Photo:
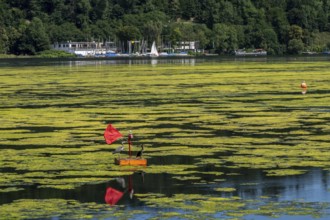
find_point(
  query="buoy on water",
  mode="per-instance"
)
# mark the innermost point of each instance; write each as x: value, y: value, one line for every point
x: 111, y: 134
x: 303, y: 86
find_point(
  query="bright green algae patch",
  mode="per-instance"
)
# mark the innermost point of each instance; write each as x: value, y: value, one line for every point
x: 195, y: 207
x: 230, y: 115
x: 60, y: 208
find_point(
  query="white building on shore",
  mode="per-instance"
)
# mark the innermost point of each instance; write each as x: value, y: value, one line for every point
x: 85, y: 49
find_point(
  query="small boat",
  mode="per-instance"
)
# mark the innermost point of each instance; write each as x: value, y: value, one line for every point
x: 153, y: 52
x: 257, y: 52
x: 182, y: 53
x: 111, y: 54
x: 163, y: 54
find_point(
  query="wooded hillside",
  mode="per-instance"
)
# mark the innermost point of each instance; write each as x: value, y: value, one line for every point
x: 278, y: 26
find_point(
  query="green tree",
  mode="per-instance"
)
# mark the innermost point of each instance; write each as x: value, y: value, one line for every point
x: 139, y: 20
x: 209, y: 12
x: 225, y: 38
x: 295, y: 32
x: 269, y: 41
x: 174, y: 9
x: 255, y: 23
x: 3, y: 34
x: 188, y: 31
x: 202, y: 34
x: 65, y: 32
x: 152, y: 31
x: 77, y: 11
x: 277, y: 18
x: 34, y: 38
x: 188, y: 8
x: 98, y: 10
x: 56, y: 10
x: 102, y: 30
x: 117, y: 12
x: 3, y: 40
x: 175, y: 35
x: 328, y: 46
x: 295, y: 46
x: 228, y: 14
x: 128, y: 33
x: 324, y: 16
x: 240, y: 35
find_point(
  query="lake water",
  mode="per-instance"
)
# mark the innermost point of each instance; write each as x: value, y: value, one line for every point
x: 64, y: 115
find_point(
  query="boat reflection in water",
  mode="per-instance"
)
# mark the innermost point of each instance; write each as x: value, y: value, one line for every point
x: 121, y: 187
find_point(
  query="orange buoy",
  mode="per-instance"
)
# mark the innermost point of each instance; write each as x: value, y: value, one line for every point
x: 303, y: 85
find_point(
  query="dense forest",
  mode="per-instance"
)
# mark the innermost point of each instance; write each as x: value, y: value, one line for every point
x: 221, y: 26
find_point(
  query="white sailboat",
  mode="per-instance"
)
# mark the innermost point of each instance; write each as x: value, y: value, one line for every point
x: 154, y: 52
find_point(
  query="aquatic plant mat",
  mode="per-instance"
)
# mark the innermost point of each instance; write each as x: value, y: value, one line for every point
x: 224, y: 140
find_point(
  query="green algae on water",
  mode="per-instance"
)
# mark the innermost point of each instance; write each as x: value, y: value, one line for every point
x: 224, y: 115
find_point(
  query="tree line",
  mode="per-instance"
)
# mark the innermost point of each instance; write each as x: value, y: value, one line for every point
x: 222, y: 26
